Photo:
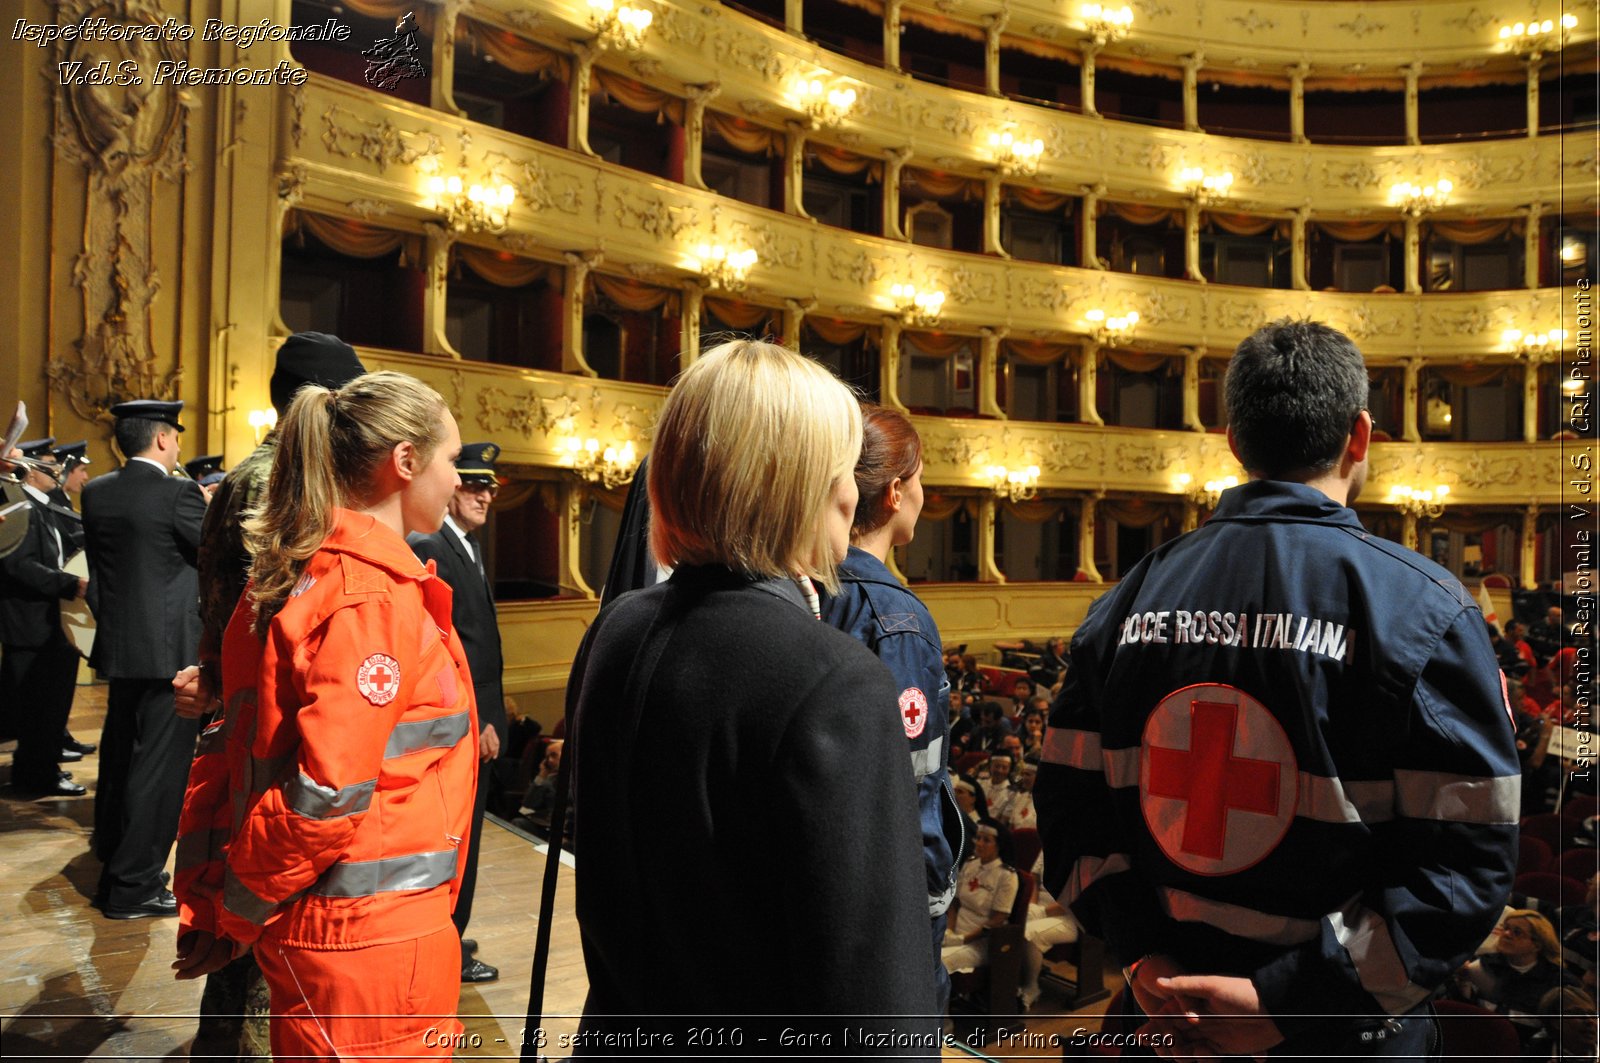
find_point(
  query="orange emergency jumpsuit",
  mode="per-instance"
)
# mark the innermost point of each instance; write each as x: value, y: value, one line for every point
x: 325, y: 814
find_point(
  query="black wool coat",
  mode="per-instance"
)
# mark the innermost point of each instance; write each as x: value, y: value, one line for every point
x: 746, y: 830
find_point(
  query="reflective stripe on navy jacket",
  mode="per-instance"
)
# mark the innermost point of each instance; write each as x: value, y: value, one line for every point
x: 1283, y: 752
x: 876, y: 608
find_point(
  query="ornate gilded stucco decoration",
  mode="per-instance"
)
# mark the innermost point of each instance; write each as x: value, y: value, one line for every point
x: 129, y: 138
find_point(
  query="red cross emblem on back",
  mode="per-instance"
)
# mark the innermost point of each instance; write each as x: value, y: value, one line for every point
x: 1218, y: 779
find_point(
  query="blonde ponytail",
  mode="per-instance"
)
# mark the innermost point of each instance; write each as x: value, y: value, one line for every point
x: 330, y: 443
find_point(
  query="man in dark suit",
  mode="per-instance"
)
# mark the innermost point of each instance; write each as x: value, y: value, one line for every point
x: 142, y: 530
x: 459, y: 559
x: 39, y: 666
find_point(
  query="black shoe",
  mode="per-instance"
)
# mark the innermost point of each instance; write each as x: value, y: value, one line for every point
x: 84, y: 748
x: 163, y: 903
x: 469, y: 947
x: 478, y: 971
x: 63, y: 786
x: 68, y: 755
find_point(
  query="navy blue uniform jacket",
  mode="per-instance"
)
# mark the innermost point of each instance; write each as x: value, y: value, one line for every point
x: 1283, y: 752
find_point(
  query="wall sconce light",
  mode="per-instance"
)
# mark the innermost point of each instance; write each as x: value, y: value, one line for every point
x: 724, y: 267
x: 1417, y: 200
x: 1019, y: 486
x: 1204, y: 187
x: 1574, y: 249
x: 611, y: 467
x: 1016, y: 156
x: 1106, y: 23
x: 1207, y: 494
x: 619, y: 26
x: 262, y: 422
x: 1418, y: 503
x: 480, y: 208
x: 824, y: 104
x: 1111, y: 331
x: 1536, y: 36
x: 918, y: 307
x: 1533, y: 342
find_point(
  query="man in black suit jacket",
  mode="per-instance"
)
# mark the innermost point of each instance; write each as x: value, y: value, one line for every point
x: 39, y: 668
x: 142, y: 530
x: 459, y: 560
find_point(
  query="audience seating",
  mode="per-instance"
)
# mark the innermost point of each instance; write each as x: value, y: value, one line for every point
x: 1580, y: 808
x: 1578, y: 864
x: 1533, y: 855
x: 1547, y: 827
x: 997, y: 680
x: 967, y: 763
x: 1471, y: 1033
x: 1551, y: 889
x: 1025, y: 846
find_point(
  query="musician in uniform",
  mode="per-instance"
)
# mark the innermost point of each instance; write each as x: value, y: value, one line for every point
x: 207, y: 472
x: 142, y: 531
x: 459, y: 559
x: 74, y: 461
x: 38, y: 665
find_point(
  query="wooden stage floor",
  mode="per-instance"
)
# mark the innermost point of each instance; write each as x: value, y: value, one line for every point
x: 74, y: 985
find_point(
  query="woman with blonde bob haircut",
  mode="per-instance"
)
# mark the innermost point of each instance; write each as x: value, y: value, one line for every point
x: 734, y: 755
x: 323, y: 823
x: 756, y: 437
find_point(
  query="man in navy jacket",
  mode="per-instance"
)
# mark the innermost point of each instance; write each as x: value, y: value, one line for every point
x: 1280, y: 780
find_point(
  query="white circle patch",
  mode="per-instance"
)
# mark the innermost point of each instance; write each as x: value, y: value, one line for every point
x: 378, y: 678
x: 913, y: 711
x: 1218, y: 779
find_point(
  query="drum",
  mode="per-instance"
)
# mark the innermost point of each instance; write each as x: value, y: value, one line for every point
x: 76, y: 619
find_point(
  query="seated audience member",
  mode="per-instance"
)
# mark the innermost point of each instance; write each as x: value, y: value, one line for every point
x: 996, y: 781
x: 962, y: 724
x: 985, y: 891
x: 970, y: 799
x: 992, y: 728
x: 1569, y: 1031
x: 1018, y: 813
x: 534, y: 814
x: 968, y: 680
x: 1564, y: 708
x: 1513, y: 979
x: 1505, y: 654
x: 1580, y: 939
x: 1517, y: 636
x: 1550, y: 634
x: 1022, y: 692
x: 1049, y: 925
x: 1033, y: 726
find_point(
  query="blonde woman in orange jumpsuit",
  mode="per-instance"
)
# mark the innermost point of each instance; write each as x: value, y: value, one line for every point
x: 326, y: 809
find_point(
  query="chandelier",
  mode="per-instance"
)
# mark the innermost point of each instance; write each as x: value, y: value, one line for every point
x: 610, y: 467
x: 918, y: 307
x: 1535, y: 36
x: 1019, y: 486
x: 1111, y: 331
x: 619, y: 26
x: 1417, y: 200
x: 1106, y: 23
x: 1533, y: 342
x: 1418, y: 503
x: 1016, y: 156
x: 479, y: 208
x: 1207, y: 494
x: 724, y: 267
x: 1204, y: 187
x: 824, y: 104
